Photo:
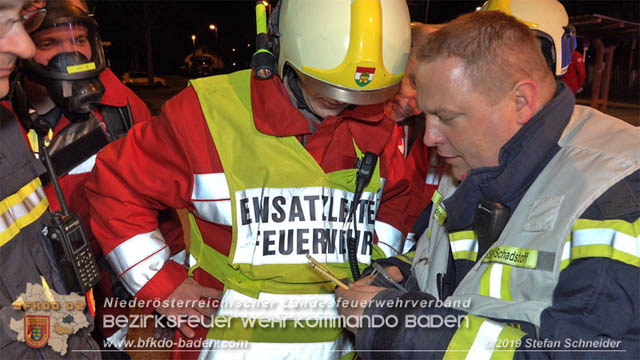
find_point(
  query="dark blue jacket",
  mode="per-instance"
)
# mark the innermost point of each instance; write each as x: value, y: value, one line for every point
x: 594, y: 299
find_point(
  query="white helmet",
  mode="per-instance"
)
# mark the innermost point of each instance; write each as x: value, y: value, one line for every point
x: 354, y: 51
x: 549, y: 20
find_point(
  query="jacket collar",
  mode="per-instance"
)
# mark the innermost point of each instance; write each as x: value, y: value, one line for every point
x: 275, y: 115
x: 113, y: 90
x: 521, y: 160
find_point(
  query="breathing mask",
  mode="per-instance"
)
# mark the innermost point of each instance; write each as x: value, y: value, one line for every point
x: 69, y: 59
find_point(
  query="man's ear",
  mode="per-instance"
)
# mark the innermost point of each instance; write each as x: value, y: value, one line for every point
x: 526, y: 99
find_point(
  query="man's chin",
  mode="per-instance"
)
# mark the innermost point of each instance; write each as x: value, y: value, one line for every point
x: 324, y: 113
x: 4, y: 86
x: 459, y: 172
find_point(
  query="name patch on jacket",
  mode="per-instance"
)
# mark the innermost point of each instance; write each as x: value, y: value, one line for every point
x: 283, y: 225
x: 514, y: 256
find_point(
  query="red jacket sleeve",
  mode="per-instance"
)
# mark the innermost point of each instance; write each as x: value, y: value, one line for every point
x: 134, y: 178
x: 392, y: 222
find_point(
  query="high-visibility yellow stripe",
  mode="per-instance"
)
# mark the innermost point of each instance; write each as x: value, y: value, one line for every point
x: 496, y: 282
x: 464, y: 245
x: 505, y: 283
x: 19, y: 195
x: 34, y: 211
x: 613, y: 239
x: 33, y: 137
x: 477, y: 338
x: 438, y: 213
x: 265, y: 330
x: 407, y: 257
x: 509, y: 339
x: 437, y: 197
x: 621, y: 226
x: 462, y: 235
x: 33, y: 140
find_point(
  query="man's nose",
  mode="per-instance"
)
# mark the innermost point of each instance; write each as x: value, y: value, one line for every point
x: 22, y: 44
x: 432, y: 136
x: 67, y: 46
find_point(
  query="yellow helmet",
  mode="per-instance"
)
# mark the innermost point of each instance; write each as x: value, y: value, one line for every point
x: 549, y: 20
x: 354, y: 51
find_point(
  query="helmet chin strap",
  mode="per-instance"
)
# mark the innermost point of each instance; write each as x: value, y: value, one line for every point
x: 291, y: 79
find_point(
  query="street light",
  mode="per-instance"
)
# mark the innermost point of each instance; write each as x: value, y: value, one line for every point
x: 212, y: 27
x: 193, y: 39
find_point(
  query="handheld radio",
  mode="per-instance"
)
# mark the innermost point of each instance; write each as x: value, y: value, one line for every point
x: 70, y: 242
x: 491, y: 218
x: 365, y: 168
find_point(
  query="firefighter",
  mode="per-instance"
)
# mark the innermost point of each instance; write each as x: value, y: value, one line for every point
x: 26, y: 255
x: 267, y: 170
x: 533, y: 242
x: 77, y: 113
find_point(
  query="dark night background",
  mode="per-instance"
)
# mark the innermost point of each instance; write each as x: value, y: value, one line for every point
x: 172, y: 23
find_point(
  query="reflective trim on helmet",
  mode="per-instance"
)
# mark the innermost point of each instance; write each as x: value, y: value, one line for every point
x: 350, y: 96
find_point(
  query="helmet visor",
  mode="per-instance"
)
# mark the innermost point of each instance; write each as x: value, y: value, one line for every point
x: 346, y: 95
x: 569, y: 43
x: 548, y: 49
x: 77, y: 42
x: 31, y: 20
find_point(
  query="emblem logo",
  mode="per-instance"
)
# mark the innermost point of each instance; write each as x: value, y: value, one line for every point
x: 36, y: 330
x: 364, y: 75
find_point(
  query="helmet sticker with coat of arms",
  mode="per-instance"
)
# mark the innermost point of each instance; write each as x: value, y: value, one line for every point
x: 364, y: 75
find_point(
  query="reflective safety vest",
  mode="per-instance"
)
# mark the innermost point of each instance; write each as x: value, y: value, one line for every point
x: 282, y: 207
x: 516, y: 277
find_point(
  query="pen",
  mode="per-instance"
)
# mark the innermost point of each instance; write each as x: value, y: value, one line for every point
x: 324, y: 271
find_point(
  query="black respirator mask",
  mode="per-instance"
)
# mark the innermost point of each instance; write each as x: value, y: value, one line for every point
x: 74, y: 97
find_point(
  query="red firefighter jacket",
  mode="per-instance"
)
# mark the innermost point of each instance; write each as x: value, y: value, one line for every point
x: 169, y: 151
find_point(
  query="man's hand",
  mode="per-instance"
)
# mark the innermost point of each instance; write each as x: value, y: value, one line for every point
x: 403, y: 104
x: 352, y: 302
x: 395, y: 273
x: 192, y: 291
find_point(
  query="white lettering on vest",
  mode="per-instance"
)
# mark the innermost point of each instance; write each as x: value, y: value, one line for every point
x: 283, y: 225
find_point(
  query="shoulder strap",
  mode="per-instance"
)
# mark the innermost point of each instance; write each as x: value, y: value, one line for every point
x: 118, y: 120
